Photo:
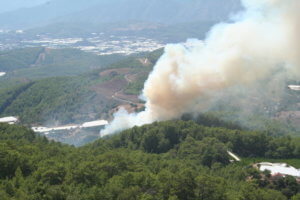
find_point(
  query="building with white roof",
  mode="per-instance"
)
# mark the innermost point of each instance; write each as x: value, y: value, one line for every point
x: 9, y: 120
x: 2, y: 73
x: 94, y: 124
x: 46, y: 130
x: 294, y: 87
x: 279, y: 169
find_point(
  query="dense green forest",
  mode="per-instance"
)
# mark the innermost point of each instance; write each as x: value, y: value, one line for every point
x: 52, y: 96
x: 19, y: 58
x: 167, y: 160
x: 235, y: 120
x: 54, y: 100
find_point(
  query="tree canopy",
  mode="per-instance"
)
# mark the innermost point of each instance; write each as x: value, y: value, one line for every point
x: 166, y: 160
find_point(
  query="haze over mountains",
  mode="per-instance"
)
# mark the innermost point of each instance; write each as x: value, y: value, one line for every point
x: 8, y: 5
x: 165, y: 12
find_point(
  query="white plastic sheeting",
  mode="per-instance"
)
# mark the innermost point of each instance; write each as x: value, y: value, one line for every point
x: 294, y: 87
x: 94, y: 123
x: 45, y: 130
x: 279, y: 168
x: 10, y: 120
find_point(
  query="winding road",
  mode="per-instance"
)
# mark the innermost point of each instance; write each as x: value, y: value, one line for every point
x: 116, y: 94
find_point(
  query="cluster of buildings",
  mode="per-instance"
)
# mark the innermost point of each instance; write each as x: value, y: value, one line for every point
x: 97, y: 43
x: 52, y: 42
x: 120, y: 45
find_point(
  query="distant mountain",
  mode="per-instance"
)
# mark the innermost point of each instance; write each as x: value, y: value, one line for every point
x: 113, y: 11
x: 157, y: 11
x: 42, y: 14
x: 11, y: 5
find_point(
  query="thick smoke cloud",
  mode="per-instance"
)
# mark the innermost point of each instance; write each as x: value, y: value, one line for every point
x: 190, y: 76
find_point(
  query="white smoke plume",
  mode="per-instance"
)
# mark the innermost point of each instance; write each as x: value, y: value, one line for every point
x: 188, y: 77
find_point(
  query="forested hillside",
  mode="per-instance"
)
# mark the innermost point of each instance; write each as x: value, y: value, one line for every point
x: 168, y: 160
x: 43, y: 62
x: 54, y: 100
x: 19, y: 58
x: 36, y: 99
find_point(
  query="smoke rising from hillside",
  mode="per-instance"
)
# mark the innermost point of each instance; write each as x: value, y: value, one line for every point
x: 189, y: 77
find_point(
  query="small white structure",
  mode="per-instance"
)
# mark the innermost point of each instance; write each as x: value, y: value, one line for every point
x: 2, y: 73
x: 40, y: 129
x: 94, y: 124
x: 46, y: 129
x: 19, y: 31
x: 294, y: 87
x: 279, y: 169
x: 235, y: 157
x: 9, y: 120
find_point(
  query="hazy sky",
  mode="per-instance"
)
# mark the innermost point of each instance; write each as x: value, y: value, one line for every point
x: 9, y: 5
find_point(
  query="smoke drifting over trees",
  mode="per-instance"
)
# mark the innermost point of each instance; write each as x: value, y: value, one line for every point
x: 190, y: 77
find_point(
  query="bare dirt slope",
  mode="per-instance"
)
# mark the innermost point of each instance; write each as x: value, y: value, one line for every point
x: 113, y: 89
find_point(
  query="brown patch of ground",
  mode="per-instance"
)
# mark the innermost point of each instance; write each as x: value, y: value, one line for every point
x: 290, y: 116
x: 114, y: 90
x: 109, y: 88
x: 122, y: 71
x: 132, y: 98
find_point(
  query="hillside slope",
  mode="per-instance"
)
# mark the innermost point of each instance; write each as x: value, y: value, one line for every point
x: 40, y: 62
x: 38, y: 98
x: 195, y: 165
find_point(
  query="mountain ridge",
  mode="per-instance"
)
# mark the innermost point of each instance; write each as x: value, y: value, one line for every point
x: 97, y: 11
